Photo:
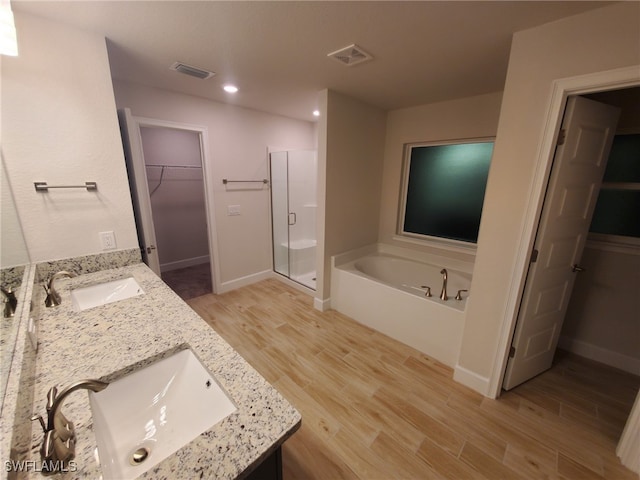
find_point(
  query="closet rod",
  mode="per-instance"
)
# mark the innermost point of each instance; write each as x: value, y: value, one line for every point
x: 173, y: 166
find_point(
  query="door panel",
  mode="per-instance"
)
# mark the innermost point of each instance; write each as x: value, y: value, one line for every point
x: 575, y: 179
x: 139, y: 189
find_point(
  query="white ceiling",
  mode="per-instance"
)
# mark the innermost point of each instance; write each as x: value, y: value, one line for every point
x: 276, y: 52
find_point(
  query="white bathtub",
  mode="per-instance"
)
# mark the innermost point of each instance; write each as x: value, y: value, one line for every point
x: 384, y: 291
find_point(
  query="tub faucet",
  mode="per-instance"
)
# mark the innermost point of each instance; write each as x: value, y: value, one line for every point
x: 10, y: 302
x: 443, y: 294
x: 53, y: 297
x: 59, y: 443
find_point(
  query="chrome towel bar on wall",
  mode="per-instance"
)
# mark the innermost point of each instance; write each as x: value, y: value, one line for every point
x: 264, y: 180
x: 43, y: 187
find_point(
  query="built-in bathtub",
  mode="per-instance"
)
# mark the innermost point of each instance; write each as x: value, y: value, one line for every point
x: 382, y: 287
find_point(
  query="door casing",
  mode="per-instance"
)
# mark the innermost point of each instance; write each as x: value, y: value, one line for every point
x: 208, y: 186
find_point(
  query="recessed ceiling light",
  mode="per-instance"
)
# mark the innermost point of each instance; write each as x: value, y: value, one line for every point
x: 316, y: 113
x: 230, y: 88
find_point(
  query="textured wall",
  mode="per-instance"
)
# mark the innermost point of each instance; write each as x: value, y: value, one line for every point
x: 60, y: 126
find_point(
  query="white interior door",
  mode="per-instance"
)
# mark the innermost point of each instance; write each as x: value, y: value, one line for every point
x: 588, y: 130
x: 134, y: 156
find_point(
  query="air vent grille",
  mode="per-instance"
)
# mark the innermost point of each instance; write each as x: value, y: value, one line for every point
x: 351, y: 55
x: 192, y: 71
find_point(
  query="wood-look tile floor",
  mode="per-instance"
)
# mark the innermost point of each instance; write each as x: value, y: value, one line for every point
x: 374, y: 408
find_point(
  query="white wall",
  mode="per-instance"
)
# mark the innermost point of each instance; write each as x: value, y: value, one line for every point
x: 60, y: 126
x: 472, y: 117
x: 238, y: 141
x: 350, y: 155
x: 602, y: 318
x: 598, y: 40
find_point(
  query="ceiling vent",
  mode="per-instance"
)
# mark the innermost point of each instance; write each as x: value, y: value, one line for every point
x: 193, y: 71
x: 351, y: 55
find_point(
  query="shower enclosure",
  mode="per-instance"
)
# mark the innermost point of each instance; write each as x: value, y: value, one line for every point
x: 293, y: 214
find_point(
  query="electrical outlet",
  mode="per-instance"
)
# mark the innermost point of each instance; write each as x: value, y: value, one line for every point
x: 108, y: 240
x: 233, y: 209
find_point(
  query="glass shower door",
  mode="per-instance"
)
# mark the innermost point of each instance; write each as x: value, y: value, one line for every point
x: 293, y: 204
x: 280, y: 212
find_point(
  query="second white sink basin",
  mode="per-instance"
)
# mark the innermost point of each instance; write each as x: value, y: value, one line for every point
x: 104, y: 293
x: 142, y: 418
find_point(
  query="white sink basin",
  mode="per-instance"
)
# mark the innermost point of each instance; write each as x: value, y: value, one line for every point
x: 142, y: 418
x: 103, y: 293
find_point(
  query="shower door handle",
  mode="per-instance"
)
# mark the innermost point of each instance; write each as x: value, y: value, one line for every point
x: 294, y: 218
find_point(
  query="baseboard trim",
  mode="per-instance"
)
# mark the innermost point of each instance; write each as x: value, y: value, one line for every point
x: 472, y: 380
x: 244, y: 281
x: 601, y: 355
x: 322, y: 305
x: 187, y: 262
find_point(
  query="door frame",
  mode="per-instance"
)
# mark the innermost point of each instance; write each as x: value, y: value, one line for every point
x: 561, y: 90
x: 207, y: 176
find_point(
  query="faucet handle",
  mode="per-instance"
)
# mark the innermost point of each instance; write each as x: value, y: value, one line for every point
x: 35, y: 417
x: 51, y: 397
x: 427, y: 293
x: 459, y: 295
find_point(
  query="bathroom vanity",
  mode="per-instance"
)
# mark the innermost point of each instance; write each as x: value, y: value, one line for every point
x: 110, y: 341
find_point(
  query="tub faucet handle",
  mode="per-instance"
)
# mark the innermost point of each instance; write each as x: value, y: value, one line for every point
x: 427, y: 293
x: 459, y: 295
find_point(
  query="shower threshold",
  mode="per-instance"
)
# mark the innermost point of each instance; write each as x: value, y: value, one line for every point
x: 307, y: 279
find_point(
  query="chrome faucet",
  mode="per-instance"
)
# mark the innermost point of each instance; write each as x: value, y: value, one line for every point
x: 10, y: 302
x: 53, y: 297
x: 59, y: 443
x: 443, y: 294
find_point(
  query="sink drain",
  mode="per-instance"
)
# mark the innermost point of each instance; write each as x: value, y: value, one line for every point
x: 139, y: 456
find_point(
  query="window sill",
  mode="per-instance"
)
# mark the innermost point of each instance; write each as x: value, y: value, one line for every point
x: 439, y: 243
x: 614, y: 243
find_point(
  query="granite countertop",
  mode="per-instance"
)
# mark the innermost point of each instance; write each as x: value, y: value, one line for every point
x: 111, y: 340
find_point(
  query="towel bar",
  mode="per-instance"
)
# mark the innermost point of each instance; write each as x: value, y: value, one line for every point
x: 43, y: 187
x: 264, y: 180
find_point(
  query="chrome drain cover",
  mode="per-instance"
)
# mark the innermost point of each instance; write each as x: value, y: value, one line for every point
x: 139, y: 456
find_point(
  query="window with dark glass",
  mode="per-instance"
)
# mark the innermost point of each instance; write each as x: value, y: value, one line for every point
x: 617, y: 210
x: 444, y: 186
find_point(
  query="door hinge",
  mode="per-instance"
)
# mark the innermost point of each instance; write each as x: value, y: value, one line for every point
x: 534, y: 256
x: 512, y: 352
x: 562, y: 135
